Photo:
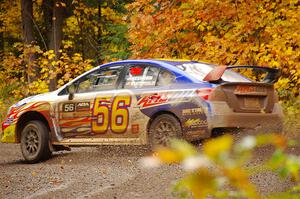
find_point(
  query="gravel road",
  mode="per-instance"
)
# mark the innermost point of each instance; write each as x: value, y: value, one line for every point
x: 102, y: 172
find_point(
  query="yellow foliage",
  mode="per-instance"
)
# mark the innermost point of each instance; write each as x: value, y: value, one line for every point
x: 216, y: 147
x: 201, y: 183
x: 34, y: 77
x: 169, y: 156
x: 10, y: 16
x: 275, y: 139
x: 224, y: 32
x: 221, y: 169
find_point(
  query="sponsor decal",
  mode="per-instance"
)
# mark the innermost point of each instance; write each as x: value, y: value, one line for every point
x: 140, y: 78
x: 248, y: 89
x: 192, y: 111
x: 83, y: 106
x: 152, y: 100
x: 196, y: 133
x: 180, y: 95
x: 79, y: 106
x: 135, y: 128
x: 163, y: 98
x: 195, y: 123
x: 68, y: 107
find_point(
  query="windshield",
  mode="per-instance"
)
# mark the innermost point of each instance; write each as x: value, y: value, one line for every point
x: 200, y: 70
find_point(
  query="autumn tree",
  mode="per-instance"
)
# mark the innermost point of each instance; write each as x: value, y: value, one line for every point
x: 28, y: 37
x: 56, y: 33
x: 1, y: 36
x: 224, y: 32
x: 27, y: 21
x: 65, y: 37
x: 100, y: 29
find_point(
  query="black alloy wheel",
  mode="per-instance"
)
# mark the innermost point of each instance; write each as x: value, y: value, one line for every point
x: 162, y: 128
x: 35, y: 142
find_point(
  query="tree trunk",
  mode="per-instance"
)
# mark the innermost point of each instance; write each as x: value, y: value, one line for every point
x: 27, y: 21
x: 56, y: 36
x: 1, y: 38
x: 99, y: 23
x: 1, y: 49
x: 99, y: 34
x: 28, y: 37
x: 1, y: 43
x: 47, y: 7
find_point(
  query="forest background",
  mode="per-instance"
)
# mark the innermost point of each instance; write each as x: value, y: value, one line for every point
x: 46, y: 43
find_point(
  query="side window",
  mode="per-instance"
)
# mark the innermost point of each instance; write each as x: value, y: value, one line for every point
x: 141, y: 76
x: 84, y: 85
x: 165, y: 78
x: 102, y: 79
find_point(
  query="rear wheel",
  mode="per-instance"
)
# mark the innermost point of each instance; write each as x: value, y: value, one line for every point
x: 35, y: 142
x: 163, y: 128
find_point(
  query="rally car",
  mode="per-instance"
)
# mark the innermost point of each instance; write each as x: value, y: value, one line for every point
x: 139, y: 102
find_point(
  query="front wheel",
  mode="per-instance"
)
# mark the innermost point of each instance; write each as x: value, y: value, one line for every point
x: 163, y: 128
x: 35, y: 142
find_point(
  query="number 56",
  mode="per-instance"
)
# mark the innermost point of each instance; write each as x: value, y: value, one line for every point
x: 118, y: 119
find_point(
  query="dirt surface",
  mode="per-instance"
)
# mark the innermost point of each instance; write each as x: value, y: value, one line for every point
x: 102, y: 172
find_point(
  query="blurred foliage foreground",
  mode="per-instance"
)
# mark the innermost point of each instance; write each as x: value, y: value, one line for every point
x: 222, y: 170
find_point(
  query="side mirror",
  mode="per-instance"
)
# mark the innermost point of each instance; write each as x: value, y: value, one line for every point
x: 71, y: 90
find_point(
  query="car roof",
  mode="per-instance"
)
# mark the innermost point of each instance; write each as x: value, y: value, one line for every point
x: 173, y: 62
x: 169, y: 64
x: 165, y: 63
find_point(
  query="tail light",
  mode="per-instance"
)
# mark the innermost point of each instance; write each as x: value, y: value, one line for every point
x: 204, y: 92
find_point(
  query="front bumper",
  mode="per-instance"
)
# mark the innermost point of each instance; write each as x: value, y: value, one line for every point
x: 8, y: 135
x: 222, y: 116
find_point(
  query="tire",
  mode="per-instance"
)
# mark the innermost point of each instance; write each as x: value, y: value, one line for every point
x: 35, y: 142
x: 162, y: 128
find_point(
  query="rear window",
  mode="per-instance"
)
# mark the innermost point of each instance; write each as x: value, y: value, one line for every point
x: 200, y: 70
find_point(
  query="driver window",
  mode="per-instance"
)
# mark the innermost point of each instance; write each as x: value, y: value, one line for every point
x: 102, y: 79
x: 85, y: 85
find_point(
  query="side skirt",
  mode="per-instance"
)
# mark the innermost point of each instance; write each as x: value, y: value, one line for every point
x: 100, y: 141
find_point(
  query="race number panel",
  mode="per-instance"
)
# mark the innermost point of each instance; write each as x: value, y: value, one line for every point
x: 111, y: 113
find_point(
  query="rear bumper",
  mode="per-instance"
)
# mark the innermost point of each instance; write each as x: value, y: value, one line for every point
x: 222, y: 116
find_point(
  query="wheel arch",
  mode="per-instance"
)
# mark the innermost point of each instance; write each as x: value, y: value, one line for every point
x: 27, y: 117
x: 155, y: 115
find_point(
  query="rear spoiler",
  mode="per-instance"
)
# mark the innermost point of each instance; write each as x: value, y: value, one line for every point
x: 216, y: 74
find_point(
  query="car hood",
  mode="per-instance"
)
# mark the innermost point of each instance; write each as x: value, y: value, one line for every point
x: 34, y: 98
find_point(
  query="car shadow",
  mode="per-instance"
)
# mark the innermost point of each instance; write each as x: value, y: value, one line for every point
x: 13, y: 162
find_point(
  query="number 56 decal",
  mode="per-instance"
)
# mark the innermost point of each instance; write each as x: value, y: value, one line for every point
x: 114, y: 114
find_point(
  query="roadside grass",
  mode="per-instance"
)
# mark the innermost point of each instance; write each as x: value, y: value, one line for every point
x: 7, y: 97
x: 4, y: 105
x: 3, y: 109
x: 291, y: 110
